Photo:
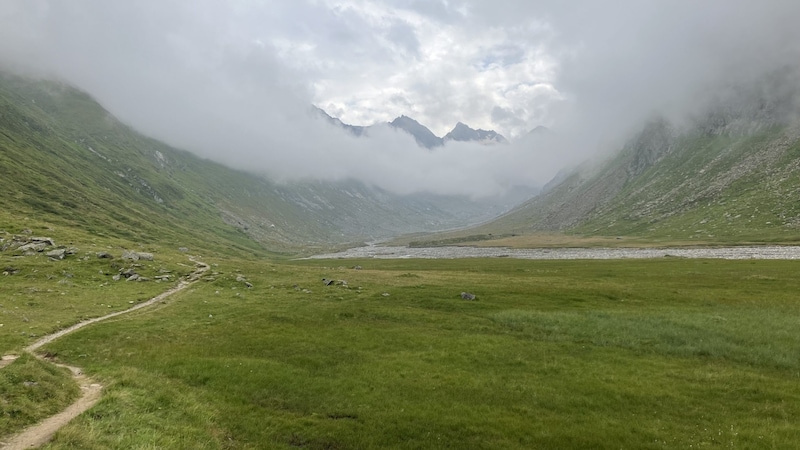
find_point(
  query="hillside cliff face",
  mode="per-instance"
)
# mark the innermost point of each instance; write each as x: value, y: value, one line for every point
x: 731, y: 175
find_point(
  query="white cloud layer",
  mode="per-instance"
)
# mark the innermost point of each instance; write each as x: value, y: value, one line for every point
x: 233, y: 81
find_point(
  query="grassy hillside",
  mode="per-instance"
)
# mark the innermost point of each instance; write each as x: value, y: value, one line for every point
x: 695, y: 186
x: 67, y: 162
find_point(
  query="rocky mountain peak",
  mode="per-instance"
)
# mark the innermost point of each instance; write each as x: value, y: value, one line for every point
x: 464, y: 133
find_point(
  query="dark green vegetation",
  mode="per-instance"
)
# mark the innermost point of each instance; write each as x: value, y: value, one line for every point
x: 616, y: 354
x: 30, y: 390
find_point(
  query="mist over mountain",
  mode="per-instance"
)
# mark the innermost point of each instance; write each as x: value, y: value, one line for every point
x: 464, y: 133
x: 727, y: 174
x: 233, y: 84
x: 421, y: 134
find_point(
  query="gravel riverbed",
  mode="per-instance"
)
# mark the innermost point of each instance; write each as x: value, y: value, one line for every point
x: 754, y: 252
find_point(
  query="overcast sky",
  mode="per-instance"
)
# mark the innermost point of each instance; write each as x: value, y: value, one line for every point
x: 233, y: 80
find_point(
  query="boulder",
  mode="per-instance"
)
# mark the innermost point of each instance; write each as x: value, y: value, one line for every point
x: 33, y: 247
x: 144, y: 256
x: 44, y: 240
x: 57, y: 253
x: 133, y: 256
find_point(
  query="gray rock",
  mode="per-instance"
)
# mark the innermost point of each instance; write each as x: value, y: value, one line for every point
x: 133, y: 277
x: 116, y: 277
x: 133, y: 256
x: 357, y: 268
x: 183, y: 249
x: 104, y: 255
x: 327, y: 282
x: 248, y: 284
x: 43, y: 240
x: 33, y: 247
x: 145, y: 256
x: 240, y: 279
x: 57, y: 253
x: 468, y: 296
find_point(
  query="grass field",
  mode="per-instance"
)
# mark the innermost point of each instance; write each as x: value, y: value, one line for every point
x: 665, y: 353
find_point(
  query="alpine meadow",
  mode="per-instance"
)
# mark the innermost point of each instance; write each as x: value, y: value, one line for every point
x: 406, y: 225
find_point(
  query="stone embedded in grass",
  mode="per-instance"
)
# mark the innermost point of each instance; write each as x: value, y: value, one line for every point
x: 136, y: 256
x: 57, y: 254
x: 468, y: 296
x: 145, y: 256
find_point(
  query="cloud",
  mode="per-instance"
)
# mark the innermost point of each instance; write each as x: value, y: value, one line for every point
x: 233, y: 81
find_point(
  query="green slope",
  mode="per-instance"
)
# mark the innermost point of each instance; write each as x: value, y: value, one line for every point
x: 696, y: 185
x: 67, y: 162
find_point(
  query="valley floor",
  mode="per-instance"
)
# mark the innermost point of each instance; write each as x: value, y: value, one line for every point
x: 647, y: 353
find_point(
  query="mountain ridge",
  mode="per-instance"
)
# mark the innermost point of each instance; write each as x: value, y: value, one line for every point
x: 422, y: 134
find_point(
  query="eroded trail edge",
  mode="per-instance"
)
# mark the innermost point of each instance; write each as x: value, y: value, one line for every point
x: 38, y: 434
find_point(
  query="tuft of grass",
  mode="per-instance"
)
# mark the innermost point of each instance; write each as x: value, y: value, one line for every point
x: 31, y: 390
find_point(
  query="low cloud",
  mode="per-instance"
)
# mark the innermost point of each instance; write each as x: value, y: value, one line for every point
x: 234, y: 82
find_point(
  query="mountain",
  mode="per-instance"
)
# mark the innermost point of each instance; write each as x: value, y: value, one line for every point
x: 356, y: 130
x: 68, y: 163
x: 424, y: 136
x: 733, y: 180
x: 421, y: 133
x: 464, y: 133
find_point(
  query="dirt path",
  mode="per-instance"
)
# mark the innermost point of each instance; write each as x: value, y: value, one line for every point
x: 38, y: 434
